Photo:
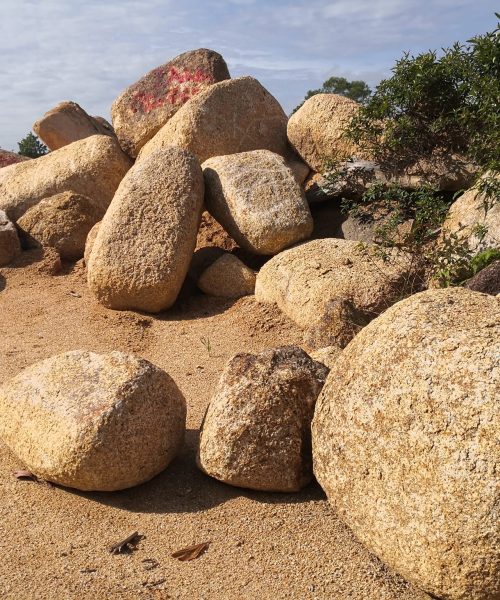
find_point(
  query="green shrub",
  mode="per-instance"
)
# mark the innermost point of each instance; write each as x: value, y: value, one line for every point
x: 31, y: 146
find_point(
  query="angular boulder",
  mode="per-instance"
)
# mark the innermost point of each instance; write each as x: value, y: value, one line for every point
x: 92, y: 421
x: 10, y: 246
x: 62, y: 222
x: 405, y: 441
x: 257, y: 200
x: 10, y: 158
x: 228, y: 117
x: 256, y: 431
x: 92, y: 167
x: 144, y: 107
x: 330, y: 281
x: 67, y: 123
x: 227, y: 277
x: 146, y: 240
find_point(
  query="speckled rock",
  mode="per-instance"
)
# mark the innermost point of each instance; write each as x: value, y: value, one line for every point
x: 89, y: 242
x: 93, y: 421
x: 11, y: 158
x: 316, y: 130
x: 327, y: 356
x: 145, y: 106
x: 227, y: 277
x: 67, y: 123
x: 63, y: 222
x: 327, y: 279
x: 405, y: 441
x: 10, y: 246
x: 232, y: 116
x: 146, y: 240
x: 256, y: 431
x: 487, y: 280
x: 298, y: 167
x: 257, y: 200
x: 92, y: 167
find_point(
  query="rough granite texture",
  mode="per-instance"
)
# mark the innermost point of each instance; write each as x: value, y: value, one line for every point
x: 145, y: 106
x: 487, y: 280
x: 66, y: 123
x: 232, y: 116
x: 92, y: 167
x: 89, y: 242
x: 257, y: 429
x: 327, y: 356
x: 405, y: 441
x: 10, y: 246
x: 63, y: 222
x: 318, y: 283
x: 93, y: 421
x: 316, y: 130
x: 227, y: 277
x: 258, y: 201
x: 146, y: 240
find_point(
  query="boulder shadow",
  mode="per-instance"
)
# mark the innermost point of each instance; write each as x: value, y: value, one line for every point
x: 3, y: 282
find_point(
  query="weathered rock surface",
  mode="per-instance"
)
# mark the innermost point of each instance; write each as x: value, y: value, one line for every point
x: 93, y: 421
x: 227, y: 277
x: 10, y: 158
x: 298, y: 167
x: 63, y: 222
x: 147, y: 237
x: 405, y: 441
x: 89, y: 242
x: 323, y: 280
x: 10, y: 246
x: 229, y: 117
x: 487, y: 280
x: 256, y: 431
x: 316, y: 130
x: 327, y: 356
x: 144, y: 107
x: 92, y: 167
x: 257, y: 199
x: 67, y: 123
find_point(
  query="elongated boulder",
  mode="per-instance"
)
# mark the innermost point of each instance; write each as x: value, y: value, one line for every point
x: 229, y: 117
x: 146, y: 240
x: 405, y: 441
x: 333, y: 285
x: 144, y: 107
x: 258, y: 201
x: 10, y: 246
x: 256, y: 431
x: 92, y: 167
x: 227, y: 277
x: 93, y: 421
x: 62, y: 222
x: 67, y: 123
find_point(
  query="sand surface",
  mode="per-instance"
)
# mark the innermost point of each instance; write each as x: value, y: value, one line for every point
x: 54, y: 542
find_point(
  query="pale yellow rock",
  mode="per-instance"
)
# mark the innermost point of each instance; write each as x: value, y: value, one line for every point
x: 232, y: 116
x: 256, y: 431
x: 63, y: 222
x: 92, y: 167
x: 316, y: 130
x: 146, y: 240
x: 405, y: 441
x: 227, y: 277
x: 10, y: 246
x: 93, y: 421
x: 298, y: 167
x: 89, y: 242
x: 256, y: 198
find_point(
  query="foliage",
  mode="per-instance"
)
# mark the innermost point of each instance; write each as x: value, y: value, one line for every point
x: 355, y: 90
x: 31, y: 146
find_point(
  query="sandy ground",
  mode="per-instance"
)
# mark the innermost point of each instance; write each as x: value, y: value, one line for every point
x: 54, y: 542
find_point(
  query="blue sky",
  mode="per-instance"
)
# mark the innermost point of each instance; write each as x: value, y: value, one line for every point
x: 90, y: 50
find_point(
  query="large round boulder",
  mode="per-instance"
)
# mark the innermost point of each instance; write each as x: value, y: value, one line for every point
x: 258, y: 201
x: 93, y: 421
x: 146, y: 240
x: 257, y: 429
x: 232, y: 116
x: 405, y: 441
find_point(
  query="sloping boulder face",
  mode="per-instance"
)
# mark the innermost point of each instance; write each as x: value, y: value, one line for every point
x: 90, y: 421
x: 487, y: 280
x: 470, y: 213
x: 10, y: 158
x: 229, y: 117
x: 317, y: 129
x: 67, y: 123
x: 405, y: 441
x: 92, y: 167
x: 329, y: 281
x: 144, y: 107
x: 256, y: 432
x: 257, y: 200
x: 10, y: 246
x: 146, y: 240
x: 89, y: 242
x: 62, y: 222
